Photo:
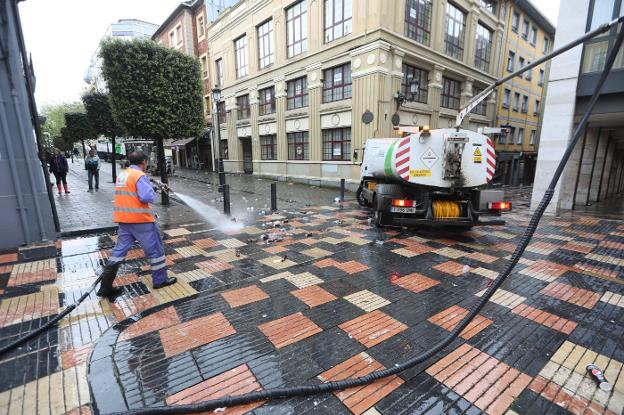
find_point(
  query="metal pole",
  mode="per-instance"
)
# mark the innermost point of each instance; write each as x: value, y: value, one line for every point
x: 342, y: 190
x: 578, y: 173
x: 611, y: 174
x: 593, y: 166
x: 114, y: 166
x: 273, y: 196
x: 604, y: 163
x: 226, y: 199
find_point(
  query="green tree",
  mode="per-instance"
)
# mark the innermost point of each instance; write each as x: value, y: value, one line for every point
x: 55, y: 116
x: 155, y: 92
x: 78, y: 128
x: 63, y: 142
x: 101, y: 119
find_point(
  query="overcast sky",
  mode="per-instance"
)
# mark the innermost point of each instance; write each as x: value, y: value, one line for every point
x: 62, y: 35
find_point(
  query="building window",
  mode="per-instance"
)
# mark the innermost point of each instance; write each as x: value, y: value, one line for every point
x: 602, y: 13
x: 525, y: 29
x: 515, y: 21
x: 267, y: 101
x: 296, y: 29
x: 179, y: 36
x: 525, y: 104
x: 338, y: 14
x: 298, y: 146
x: 533, y: 36
x: 516, y: 102
x: 223, y: 149
x: 483, y: 48
x: 240, y: 52
x: 221, y: 111
x: 201, y: 27
x: 268, y: 147
x: 418, y: 20
x: 540, y: 80
x: 512, y: 135
x: 450, y: 93
x: 480, y: 109
x: 204, y: 66
x: 219, y: 71
x: 520, y: 63
x: 520, y: 138
x: 455, y: 29
x: 532, y: 138
x: 172, y: 39
x: 337, y: 83
x: 511, y: 61
x: 337, y: 144
x: 506, y: 98
x: 528, y: 74
x: 489, y: 5
x: 536, y: 110
x: 412, y: 74
x: 266, y: 53
x: 502, y: 138
x: 297, y: 93
x: 243, y: 107
x: 545, y: 45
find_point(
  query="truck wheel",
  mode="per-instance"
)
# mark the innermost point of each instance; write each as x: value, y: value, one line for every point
x: 360, y: 198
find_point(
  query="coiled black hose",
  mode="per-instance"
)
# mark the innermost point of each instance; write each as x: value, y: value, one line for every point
x: 50, y: 323
x: 306, y: 390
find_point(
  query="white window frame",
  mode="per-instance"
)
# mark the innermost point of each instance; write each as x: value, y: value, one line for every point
x: 203, y: 62
x: 179, y: 42
x: 241, y: 60
x: 200, y: 21
x: 266, y: 47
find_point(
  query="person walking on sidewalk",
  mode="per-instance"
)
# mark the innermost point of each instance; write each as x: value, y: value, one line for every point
x: 92, y: 164
x: 133, y: 194
x: 59, y: 168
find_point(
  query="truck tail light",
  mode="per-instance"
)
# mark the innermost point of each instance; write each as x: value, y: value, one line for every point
x: 502, y: 206
x: 403, y: 203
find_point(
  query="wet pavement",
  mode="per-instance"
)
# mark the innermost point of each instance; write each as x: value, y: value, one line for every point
x: 314, y: 293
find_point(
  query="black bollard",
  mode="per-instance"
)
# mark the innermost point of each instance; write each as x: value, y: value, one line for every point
x: 221, y: 175
x: 273, y: 197
x: 342, y: 189
x: 226, y: 199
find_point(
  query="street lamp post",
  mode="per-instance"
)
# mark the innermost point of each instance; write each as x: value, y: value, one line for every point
x: 216, y: 97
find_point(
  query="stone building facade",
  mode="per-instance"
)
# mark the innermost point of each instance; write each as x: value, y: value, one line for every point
x: 306, y: 83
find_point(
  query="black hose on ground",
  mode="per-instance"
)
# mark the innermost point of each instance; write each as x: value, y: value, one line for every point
x: 14, y: 344
x: 306, y: 390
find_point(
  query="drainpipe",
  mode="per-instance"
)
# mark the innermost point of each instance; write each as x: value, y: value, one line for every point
x: 591, y: 174
x: 16, y: 178
x: 578, y: 172
x: 604, y: 163
x: 31, y: 178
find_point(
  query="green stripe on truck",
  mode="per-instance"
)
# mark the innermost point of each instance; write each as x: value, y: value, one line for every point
x: 388, y: 162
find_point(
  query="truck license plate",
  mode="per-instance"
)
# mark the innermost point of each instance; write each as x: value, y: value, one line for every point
x: 394, y: 209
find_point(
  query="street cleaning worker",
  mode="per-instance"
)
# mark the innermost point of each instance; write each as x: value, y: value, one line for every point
x: 133, y: 194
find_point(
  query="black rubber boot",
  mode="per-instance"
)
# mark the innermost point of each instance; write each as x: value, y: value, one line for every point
x: 106, y: 285
x: 166, y: 283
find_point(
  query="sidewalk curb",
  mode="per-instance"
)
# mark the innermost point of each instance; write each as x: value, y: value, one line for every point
x: 88, y: 231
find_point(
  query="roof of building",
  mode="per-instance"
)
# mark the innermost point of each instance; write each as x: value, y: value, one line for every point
x: 190, y: 5
x: 532, y: 11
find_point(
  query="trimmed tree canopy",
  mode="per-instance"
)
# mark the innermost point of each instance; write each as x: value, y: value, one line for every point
x: 155, y: 92
x: 77, y: 126
x: 55, y: 116
x: 99, y: 114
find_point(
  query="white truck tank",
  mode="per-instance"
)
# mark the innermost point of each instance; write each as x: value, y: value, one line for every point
x: 436, y: 158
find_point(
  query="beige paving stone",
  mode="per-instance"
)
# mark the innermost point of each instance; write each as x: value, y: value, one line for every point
x: 405, y: 252
x: 504, y: 298
x: 232, y: 243
x: 503, y: 235
x: 303, y: 280
x: 181, y: 289
x: 316, y: 252
x: 357, y: 241
x: 189, y: 251
x: 606, y: 259
x: 277, y: 262
x: 484, y: 272
x: 450, y: 252
x: 177, y: 232
x: 252, y: 230
x: 613, y: 298
x: 276, y: 277
x: 227, y: 255
x: 195, y: 275
x: 331, y: 240
x: 366, y: 300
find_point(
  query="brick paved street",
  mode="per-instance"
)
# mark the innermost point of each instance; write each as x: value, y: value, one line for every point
x: 326, y: 301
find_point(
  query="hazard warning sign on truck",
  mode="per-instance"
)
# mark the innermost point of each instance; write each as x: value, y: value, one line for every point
x: 476, y: 155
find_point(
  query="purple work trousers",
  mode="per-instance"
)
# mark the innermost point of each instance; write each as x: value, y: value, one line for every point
x: 148, y: 235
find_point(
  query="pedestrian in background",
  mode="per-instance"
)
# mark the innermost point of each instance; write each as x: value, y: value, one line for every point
x: 133, y: 194
x: 59, y: 168
x: 92, y: 164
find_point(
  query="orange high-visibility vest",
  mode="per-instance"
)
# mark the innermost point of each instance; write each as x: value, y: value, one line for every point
x: 128, y: 207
